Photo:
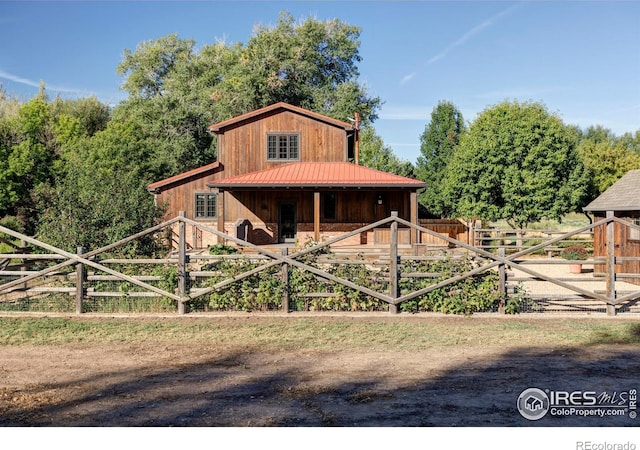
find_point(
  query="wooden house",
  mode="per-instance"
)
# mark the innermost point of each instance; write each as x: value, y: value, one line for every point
x: 621, y: 200
x: 285, y: 174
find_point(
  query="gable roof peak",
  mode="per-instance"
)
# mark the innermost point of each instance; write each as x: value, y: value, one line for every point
x: 623, y: 195
x: 219, y: 127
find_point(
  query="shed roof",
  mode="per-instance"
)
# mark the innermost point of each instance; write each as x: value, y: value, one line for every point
x: 254, y: 115
x: 623, y: 195
x: 158, y: 185
x: 319, y: 174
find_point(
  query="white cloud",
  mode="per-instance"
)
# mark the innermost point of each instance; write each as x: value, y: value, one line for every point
x: 472, y: 32
x: 406, y: 78
x: 16, y: 79
x: 50, y: 87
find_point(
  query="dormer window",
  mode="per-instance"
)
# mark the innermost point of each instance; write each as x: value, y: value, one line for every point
x: 283, y: 147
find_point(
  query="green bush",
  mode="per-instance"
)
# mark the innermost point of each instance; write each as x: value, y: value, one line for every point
x: 478, y: 293
x: 221, y: 249
x: 260, y: 292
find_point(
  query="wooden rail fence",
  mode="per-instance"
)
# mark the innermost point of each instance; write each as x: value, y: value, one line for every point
x: 517, y: 268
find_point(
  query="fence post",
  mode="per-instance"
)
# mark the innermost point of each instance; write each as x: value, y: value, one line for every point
x: 285, y: 281
x: 23, y: 265
x: 502, y: 282
x: 182, y: 263
x: 611, y: 264
x: 80, y: 275
x: 393, y: 264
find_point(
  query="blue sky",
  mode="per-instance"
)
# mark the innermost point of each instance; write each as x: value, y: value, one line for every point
x: 581, y: 59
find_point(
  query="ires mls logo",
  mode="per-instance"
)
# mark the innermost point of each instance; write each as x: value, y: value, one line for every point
x: 534, y: 403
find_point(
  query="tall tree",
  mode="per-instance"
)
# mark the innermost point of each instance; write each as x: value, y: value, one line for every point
x: 312, y: 64
x: 102, y: 197
x: 147, y: 68
x: 517, y: 162
x: 177, y: 91
x: 632, y: 141
x: 161, y: 79
x: 607, y: 160
x: 35, y: 138
x: 441, y: 136
x: 376, y: 155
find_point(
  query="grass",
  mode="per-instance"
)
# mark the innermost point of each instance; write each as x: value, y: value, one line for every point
x: 406, y: 333
x: 569, y: 223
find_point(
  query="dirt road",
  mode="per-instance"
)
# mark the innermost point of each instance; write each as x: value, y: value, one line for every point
x: 212, y: 385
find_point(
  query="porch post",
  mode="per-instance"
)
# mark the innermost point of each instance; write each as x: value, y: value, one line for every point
x: 316, y: 216
x: 413, y: 211
x: 220, y: 216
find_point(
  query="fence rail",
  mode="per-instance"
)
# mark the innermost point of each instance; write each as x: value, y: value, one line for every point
x: 383, y: 280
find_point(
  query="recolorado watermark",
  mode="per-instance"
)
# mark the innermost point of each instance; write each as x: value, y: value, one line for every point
x: 589, y: 445
x: 535, y: 403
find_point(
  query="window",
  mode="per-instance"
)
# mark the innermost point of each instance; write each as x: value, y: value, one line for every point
x: 329, y: 206
x: 206, y: 205
x: 283, y: 147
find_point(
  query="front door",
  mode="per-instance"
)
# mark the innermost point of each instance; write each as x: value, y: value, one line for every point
x: 287, y: 222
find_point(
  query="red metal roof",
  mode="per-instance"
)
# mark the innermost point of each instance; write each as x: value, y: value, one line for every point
x: 318, y: 174
x: 183, y: 176
x: 217, y: 127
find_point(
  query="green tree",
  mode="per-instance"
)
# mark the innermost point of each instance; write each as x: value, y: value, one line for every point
x: 312, y: 64
x: 376, y: 155
x: 148, y: 67
x: 102, y: 196
x: 631, y: 141
x: 177, y: 92
x: 35, y: 138
x: 517, y: 162
x: 27, y: 155
x: 437, y: 144
x: 607, y: 161
x: 168, y: 99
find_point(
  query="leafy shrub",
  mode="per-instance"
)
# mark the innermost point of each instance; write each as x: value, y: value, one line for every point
x: 473, y: 294
x: 221, y: 249
x: 260, y: 292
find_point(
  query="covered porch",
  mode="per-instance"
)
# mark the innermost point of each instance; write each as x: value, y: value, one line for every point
x: 301, y: 202
x: 298, y: 216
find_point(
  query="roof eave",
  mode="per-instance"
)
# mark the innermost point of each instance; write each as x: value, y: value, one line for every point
x: 611, y: 208
x: 158, y: 186
x: 315, y: 186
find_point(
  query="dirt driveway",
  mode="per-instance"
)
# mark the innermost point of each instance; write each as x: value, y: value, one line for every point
x: 230, y: 385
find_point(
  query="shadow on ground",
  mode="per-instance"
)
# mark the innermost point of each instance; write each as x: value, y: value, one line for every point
x: 250, y: 388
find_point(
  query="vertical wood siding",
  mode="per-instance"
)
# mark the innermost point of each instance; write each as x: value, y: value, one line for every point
x: 624, y: 247
x: 243, y: 149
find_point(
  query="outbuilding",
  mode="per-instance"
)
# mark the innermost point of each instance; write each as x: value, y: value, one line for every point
x: 621, y: 200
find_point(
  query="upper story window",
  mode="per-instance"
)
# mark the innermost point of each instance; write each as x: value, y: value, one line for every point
x: 283, y: 147
x: 206, y: 205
